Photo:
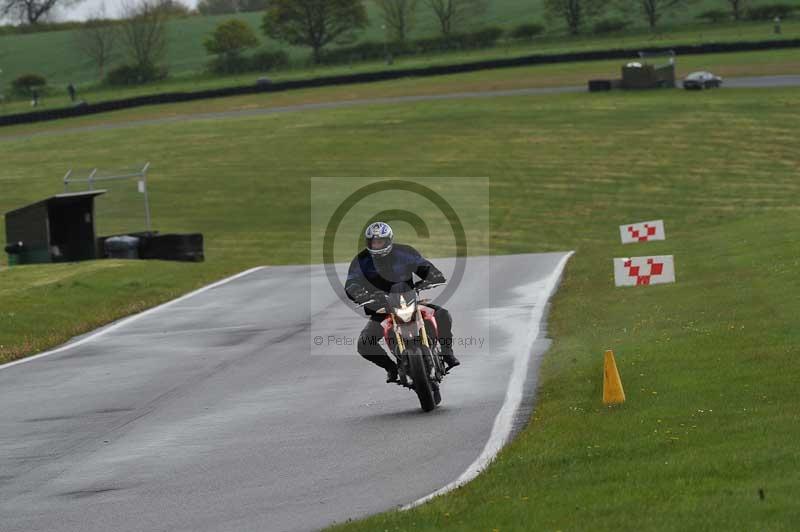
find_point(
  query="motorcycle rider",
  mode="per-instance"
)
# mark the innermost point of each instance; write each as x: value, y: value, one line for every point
x: 371, y: 275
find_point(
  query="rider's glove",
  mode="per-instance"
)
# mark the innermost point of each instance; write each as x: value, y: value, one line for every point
x: 379, y: 301
x: 434, y: 277
x: 360, y: 295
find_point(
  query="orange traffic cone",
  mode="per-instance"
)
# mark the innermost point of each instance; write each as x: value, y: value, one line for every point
x: 613, y: 394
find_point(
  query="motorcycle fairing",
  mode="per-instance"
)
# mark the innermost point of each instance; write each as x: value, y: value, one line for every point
x: 427, y: 315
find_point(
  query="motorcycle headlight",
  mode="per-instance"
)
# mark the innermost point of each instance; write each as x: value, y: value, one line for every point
x: 404, y: 314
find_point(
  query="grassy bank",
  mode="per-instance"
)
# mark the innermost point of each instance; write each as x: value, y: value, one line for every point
x: 55, y: 55
x: 557, y: 75
x: 56, y: 58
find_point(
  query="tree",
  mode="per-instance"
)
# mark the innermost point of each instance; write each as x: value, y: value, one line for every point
x: 398, y: 15
x: 144, y: 32
x: 27, y: 83
x: 654, y: 9
x: 737, y: 8
x: 230, y: 39
x: 451, y: 14
x: 97, y: 39
x: 314, y: 23
x: 574, y: 12
x: 31, y: 11
x: 174, y: 8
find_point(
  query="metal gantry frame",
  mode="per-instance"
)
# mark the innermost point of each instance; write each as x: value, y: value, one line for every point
x: 93, y: 177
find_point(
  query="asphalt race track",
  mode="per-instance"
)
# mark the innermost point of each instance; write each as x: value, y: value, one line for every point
x: 218, y: 412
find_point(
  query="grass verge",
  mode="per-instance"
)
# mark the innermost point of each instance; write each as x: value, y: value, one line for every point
x: 712, y: 411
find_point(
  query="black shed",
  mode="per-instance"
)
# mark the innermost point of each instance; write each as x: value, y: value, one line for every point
x: 57, y: 229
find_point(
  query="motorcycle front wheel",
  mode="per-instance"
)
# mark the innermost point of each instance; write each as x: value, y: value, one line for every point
x: 418, y: 371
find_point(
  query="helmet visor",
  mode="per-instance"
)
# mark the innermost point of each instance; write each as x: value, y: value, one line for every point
x: 378, y: 243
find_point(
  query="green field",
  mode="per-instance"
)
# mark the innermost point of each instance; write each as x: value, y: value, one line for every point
x: 712, y: 411
x: 53, y: 54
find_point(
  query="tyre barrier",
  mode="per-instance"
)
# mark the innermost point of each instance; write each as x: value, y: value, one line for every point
x: 597, y: 85
x: 151, y: 245
x: 186, y: 248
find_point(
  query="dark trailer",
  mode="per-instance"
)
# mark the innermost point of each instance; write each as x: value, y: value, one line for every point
x: 58, y: 229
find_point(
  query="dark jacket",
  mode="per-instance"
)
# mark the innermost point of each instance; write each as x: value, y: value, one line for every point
x: 378, y: 274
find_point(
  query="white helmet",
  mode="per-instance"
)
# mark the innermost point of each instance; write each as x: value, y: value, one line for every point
x: 379, y: 238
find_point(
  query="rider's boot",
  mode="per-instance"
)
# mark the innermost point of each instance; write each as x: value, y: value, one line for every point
x: 449, y: 358
x: 391, y: 375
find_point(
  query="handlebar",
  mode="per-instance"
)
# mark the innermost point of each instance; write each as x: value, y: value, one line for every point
x: 365, y: 303
x: 417, y: 289
x: 428, y: 286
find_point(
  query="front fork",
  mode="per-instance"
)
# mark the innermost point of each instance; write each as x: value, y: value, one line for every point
x: 400, y: 347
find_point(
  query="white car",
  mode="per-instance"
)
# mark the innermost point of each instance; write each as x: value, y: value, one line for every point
x: 701, y: 80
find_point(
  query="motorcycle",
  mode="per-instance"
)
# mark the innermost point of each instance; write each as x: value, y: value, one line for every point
x: 411, y: 333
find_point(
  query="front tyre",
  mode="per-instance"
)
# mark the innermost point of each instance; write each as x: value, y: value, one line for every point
x: 418, y: 372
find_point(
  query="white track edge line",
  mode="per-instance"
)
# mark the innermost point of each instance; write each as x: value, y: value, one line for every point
x: 130, y: 319
x: 504, y: 422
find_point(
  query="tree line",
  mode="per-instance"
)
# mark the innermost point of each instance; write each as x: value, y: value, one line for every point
x: 399, y: 15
